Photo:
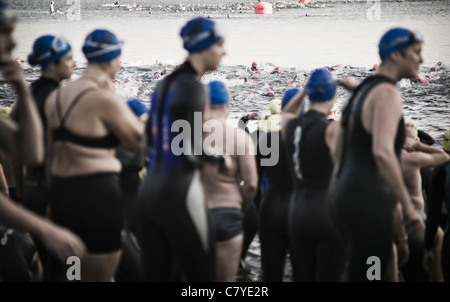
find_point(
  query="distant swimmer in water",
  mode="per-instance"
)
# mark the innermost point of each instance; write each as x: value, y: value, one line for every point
x: 254, y: 66
x: 375, y: 67
x: 368, y: 182
x: 52, y: 7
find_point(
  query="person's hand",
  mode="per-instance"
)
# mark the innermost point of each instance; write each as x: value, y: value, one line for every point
x: 402, y: 252
x: 253, y: 116
x: 348, y: 83
x: 12, y: 73
x: 410, y: 143
x: 62, y: 242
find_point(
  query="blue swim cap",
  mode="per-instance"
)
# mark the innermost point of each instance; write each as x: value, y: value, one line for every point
x: 218, y: 93
x: 6, y: 14
x: 396, y: 39
x: 48, y: 49
x: 101, y: 45
x: 321, y: 86
x: 137, y: 107
x: 288, y: 95
x: 199, y: 34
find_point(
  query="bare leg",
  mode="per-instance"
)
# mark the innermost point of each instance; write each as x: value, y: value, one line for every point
x: 438, y: 275
x: 228, y: 256
x: 393, y: 265
x: 99, y: 267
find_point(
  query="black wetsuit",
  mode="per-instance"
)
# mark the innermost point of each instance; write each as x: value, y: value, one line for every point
x: 362, y: 202
x: 274, y: 207
x: 439, y: 192
x: 35, y: 193
x: 175, y: 231
x: 317, y: 245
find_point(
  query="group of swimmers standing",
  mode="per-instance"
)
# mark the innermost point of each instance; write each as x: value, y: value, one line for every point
x: 335, y: 197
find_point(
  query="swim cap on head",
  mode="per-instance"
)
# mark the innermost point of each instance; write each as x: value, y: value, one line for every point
x: 396, y: 39
x: 5, y: 112
x: 218, y: 93
x: 254, y: 64
x: 446, y: 141
x: 199, y: 34
x: 271, y: 93
x: 6, y: 14
x: 288, y: 95
x: 321, y: 86
x: 137, y: 107
x: 101, y: 46
x: 275, y: 106
x: 277, y: 69
x: 47, y: 49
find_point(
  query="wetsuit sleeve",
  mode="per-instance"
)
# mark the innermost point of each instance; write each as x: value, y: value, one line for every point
x: 434, y: 204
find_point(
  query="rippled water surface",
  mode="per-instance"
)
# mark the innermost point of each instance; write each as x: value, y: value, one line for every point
x: 298, y: 39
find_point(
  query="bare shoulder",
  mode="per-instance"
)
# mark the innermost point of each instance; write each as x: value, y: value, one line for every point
x: 105, y: 96
x: 384, y: 93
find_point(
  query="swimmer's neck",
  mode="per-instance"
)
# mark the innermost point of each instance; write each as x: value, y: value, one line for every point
x: 51, y: 76
x: 218, y: 114
x: 197, y: 63
x: 99, y: 75
x: 323, y: 108
x: 389, y: 71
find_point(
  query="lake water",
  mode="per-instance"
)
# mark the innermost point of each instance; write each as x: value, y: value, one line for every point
x: 296, y: 39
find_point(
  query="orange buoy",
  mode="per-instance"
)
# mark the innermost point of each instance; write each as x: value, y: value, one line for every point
x: 263, y: 8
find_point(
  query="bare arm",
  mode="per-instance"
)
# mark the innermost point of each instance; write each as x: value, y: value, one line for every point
x: 348, y: 83
x: 3, y: 184
x: 387, y: 111
x: 61, y: 242
x: 121, y: 121
x: 336, y: 145
x: 247, y: 170
x: 24, y: 136
x: 401, y: 236
x: 330, y: 133
x: 292, y: 109
x: 427, y: 156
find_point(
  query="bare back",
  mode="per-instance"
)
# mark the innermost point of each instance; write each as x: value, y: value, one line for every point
x: 95, y: 115
x: 221, y: 182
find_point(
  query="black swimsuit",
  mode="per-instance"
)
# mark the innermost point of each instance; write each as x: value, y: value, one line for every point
x: 361, y: 200
x: 90, y: 205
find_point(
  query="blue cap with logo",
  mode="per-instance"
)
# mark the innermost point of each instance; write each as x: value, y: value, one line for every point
x: 101, y: 46
x: 199, y: 34
x: 397, y: 39
x: 47, y: 49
